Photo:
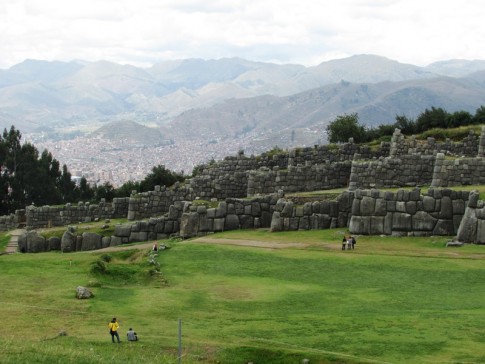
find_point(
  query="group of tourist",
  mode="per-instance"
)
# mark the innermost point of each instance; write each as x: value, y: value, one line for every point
x: 348, y: 242
x: 113, y: 330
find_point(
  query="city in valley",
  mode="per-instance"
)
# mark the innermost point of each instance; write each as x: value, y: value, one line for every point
x: 101, y: 160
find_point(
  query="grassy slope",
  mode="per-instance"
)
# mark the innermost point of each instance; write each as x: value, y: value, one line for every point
x: 394, y: 300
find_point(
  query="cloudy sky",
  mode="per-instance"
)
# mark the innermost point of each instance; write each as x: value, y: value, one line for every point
x: 143, y: 32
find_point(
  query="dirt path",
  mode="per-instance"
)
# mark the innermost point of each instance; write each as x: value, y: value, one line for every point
x: 206, y: 240
x: 13, y: 245
x: 253, y: 243
x: 123, y: 247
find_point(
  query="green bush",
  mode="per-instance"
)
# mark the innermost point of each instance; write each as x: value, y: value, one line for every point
x: 106, y: 258
x: 98, y: 267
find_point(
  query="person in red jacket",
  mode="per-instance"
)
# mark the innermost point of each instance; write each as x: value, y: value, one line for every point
x: 113, y: 329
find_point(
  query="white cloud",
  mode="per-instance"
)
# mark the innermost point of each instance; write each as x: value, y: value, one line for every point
x: 143, y: 32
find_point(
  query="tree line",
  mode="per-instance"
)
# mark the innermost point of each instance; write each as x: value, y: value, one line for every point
x: 347, y: 126
x: 28, y: 177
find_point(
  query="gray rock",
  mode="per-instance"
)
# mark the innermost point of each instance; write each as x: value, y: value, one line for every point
x: 189, y: 225
x: 138, y: 236
x: 32, y: 242
x: 367, y: 206
x: 444, y: 227
x: 83, y: 293
x: 54, y: 243
x: 401, y: 222
x: 123, y: 230
x: 68, y: 240
x: 422, y: 221
x: 276, y: 222
x: 105, y: 241
x: 91, y: 241
x: 232, y: 222
x: 446, y: 211
x: 468, y: 228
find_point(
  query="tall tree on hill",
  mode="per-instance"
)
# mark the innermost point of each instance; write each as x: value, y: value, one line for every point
x: 344, y: 127
x: 429, y: 119
x: 479, y: 117
x: 66, y: 186
x: 86, y: 193
x: 27, y: 177
x: 160, y: 176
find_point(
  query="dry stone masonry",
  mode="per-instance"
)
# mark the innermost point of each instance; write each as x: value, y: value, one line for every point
x: 439, y: 212
x: 248, y: 192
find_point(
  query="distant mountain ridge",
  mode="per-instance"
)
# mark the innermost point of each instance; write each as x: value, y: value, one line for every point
x: 230, y: 97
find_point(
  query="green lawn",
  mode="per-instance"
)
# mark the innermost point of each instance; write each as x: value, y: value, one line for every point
x: 392, y: 300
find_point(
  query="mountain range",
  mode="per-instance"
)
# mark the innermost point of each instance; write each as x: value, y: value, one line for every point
x: 230, y: 99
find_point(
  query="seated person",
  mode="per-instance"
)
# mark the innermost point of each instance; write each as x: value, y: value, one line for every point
x: 131, y: 335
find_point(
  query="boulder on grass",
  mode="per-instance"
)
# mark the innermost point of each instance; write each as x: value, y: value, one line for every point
x: 83, y: 293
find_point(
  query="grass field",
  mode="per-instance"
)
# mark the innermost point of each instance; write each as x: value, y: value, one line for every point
x: 392, y: 300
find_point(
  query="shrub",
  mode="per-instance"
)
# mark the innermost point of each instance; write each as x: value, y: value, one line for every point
x: 98, y: 267
x: 106, y: 258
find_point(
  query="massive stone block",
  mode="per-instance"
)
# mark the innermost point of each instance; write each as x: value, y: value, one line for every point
x: 377, y: 225
x: 91, y: 241
x: 276, y: 222
x: 444, y: 227
x: 480, y: 232
x: 54, y: 243
x: 446, y: 211
x: 467, y: 231
x: 232, y: 222
x: 123, y: 230
x: 367, y: 206
x: 189, y: 224
x: 68, y: 240
x: 401, y: 222
x: 422, y: 221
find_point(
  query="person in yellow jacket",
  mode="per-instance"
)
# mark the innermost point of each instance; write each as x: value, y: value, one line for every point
x: 113, y: 329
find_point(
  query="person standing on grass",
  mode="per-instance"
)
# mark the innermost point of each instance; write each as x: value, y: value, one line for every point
x: 353, y: 242
x: 344, y: 241
x: 113, y: 330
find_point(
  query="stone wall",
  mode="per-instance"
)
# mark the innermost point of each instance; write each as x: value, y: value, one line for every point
x: 403, y: 171
x: 324, y: 154
x: 302, y: 178
x: 416, y: 163
x: 312, y: 215
x: 401, y: 145
x: 184, y: 219
x: 49, y: 216
x: 458, y: 172
x: 472, y: 228
x: 242, y: 176
x: 12, y: 221
x: 439, y: 212
x: 231, y: 214
x: 157, y: 202
x: 228, y: 178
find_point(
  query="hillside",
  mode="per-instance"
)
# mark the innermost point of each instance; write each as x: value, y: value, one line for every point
x: 78, y: 94
x: 274, y: 118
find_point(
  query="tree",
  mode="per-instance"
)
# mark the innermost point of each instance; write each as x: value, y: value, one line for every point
x: 66, y: 186
x: 160, y: 176
x: 86, y: 193
x: 127, y: 188
x: 345, y: 127
x: 407, y: 126
x: 459, y: 118
x: 105, y: 191
x: 429, y: 119
x: 479, y: 117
